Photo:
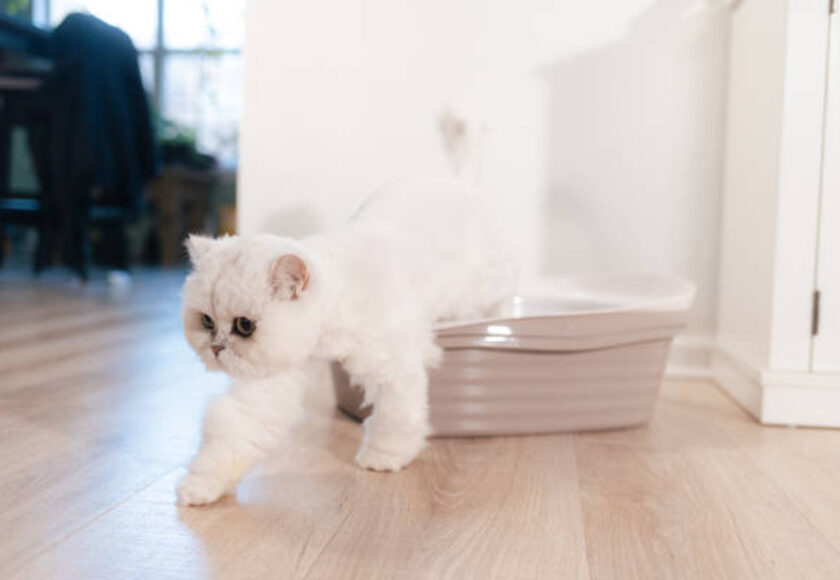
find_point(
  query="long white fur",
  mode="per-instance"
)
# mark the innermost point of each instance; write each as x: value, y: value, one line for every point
x: 416, y: 253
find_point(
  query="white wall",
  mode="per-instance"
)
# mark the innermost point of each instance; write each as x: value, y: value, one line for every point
x: 604, y: 118
x: 753, y: 140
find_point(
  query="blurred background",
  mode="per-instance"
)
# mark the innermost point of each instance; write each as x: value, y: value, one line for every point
x: 641, y: 135
x: 158, y: 158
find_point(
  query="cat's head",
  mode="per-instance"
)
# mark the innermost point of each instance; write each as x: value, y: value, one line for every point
x: 249, y: 307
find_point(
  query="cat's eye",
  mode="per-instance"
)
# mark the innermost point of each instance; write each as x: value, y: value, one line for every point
x: 207, y: 322
x: 244, y: 327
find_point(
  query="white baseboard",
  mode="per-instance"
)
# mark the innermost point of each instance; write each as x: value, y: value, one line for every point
x: 690, y: 357
x: 778, y: 398
x: 740, y: 380
x: 772, y: 397
x: 801, y: 399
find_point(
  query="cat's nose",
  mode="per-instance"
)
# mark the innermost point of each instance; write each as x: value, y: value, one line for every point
x: 217, y: 348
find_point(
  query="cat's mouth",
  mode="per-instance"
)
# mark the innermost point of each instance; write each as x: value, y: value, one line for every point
x: 227, y: 362
x: 213, y: 363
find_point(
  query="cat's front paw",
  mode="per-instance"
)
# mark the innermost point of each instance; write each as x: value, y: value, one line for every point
x: 199, y: 489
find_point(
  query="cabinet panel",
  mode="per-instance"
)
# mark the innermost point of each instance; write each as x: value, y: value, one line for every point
x: 825, y: 354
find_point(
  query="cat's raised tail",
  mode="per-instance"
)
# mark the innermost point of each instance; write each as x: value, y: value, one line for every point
x: 462, y: 137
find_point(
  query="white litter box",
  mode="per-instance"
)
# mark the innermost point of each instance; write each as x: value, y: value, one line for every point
x: 578, y: 353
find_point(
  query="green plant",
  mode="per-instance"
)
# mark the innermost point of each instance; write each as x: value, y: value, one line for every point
x: 173, y: 133
x: 19, y: 8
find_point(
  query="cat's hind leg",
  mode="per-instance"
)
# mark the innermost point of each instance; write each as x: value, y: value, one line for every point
x: 396, y: 383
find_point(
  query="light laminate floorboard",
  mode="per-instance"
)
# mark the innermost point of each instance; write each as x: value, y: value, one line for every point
x: 100, y: 406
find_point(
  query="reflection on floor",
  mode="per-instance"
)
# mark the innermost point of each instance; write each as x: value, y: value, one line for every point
x: 100, y: 405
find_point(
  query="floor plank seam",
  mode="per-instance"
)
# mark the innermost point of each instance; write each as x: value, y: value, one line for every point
x: 99, y: 515
x: 326, y: 545
x: 784, y: 493
x: 579, y: 494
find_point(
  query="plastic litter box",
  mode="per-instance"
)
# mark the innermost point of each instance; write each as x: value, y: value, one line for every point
x: 577, y: 353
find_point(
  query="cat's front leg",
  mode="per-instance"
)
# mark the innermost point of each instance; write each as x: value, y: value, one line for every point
x: 228, y: 450
x: 396, y: 431
x: 240, y: 427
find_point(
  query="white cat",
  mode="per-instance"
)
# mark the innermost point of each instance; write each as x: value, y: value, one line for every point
x: 264, y: 308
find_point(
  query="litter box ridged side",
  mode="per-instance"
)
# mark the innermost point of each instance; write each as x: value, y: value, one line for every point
x: 481, y: 392
x: 501, y: 392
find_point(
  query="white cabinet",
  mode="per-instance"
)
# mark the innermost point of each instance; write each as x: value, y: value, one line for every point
x: 780, y: 223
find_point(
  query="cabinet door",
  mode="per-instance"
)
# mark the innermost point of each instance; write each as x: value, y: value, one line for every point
x: 825, y: 351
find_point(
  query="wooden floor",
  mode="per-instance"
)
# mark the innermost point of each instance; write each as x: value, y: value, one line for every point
x: 100, y: 406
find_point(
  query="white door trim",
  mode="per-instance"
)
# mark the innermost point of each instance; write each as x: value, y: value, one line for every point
x: 800, y: 175
x: 825, y: 352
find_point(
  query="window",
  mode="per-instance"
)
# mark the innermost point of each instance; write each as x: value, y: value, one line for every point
x: 190, y: 59
x: 138, y: 18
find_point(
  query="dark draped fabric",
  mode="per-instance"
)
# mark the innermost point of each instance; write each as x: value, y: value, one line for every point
x: 102, y: 138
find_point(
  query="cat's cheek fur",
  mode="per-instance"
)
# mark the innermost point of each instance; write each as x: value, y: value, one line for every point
x: 198, y: 337
x: 288, y: 335
x: 199, y: 341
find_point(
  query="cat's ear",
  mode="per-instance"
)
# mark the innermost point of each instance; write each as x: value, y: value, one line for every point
x: 197, y: 247
x: 289, y: 277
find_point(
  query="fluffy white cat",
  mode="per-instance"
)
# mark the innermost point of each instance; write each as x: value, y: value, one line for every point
x: 265, y: 308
